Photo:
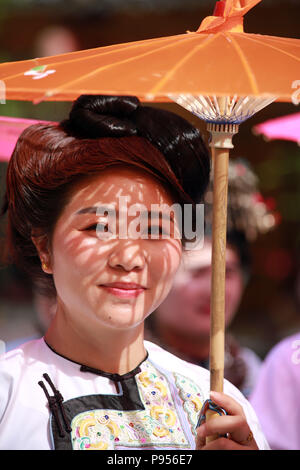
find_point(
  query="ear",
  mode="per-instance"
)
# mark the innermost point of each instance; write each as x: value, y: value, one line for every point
x: 42, y: 244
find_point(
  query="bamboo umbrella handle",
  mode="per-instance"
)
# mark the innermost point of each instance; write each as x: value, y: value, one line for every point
x: 221, y: 143
x: 220, y: 159
x: 217, y: 342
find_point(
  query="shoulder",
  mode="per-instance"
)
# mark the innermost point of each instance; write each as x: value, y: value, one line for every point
x: 286, y: 351
x: 250, y: 357
x: 196, y: 373
x: 21, y: 353
x: 279, y: 376
x: 253, y: 365
x: 173, y: 363
x: 12, y: 370
x: 16, y: 362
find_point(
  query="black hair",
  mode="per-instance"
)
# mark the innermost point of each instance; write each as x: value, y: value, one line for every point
x: 96, y: 116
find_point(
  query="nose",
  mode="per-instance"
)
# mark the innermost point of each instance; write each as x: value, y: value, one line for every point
x: 127, y: 255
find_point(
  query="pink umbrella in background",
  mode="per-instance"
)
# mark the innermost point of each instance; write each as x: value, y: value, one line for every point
x: 284, y: 128
x: 10, y: 129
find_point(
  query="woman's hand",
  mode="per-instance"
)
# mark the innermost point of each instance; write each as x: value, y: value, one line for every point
x: 234, y: 424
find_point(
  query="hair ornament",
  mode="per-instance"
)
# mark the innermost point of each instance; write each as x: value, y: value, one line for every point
x: 248, y: 211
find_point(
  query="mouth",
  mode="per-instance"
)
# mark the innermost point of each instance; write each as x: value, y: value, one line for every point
x: 124, y: 289
x: 204, y: 310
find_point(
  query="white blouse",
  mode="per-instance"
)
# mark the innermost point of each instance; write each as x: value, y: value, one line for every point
x: 154, y: 407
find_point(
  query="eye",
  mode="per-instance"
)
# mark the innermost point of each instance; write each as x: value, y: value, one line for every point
x: 154, y: 230
x: 91, y: 227
x: 97, y: 227
x: 200, y: 272
x: 230, y: 272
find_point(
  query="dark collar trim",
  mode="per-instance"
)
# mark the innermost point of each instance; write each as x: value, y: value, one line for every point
x: 109, y: 375
x: 114, y: 377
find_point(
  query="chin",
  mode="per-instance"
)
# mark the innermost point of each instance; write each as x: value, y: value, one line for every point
x: 120, y: 321
x: 194, y: 331
x: 122, y: 326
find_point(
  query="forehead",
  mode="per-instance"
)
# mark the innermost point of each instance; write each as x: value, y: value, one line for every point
x: 137, y: 185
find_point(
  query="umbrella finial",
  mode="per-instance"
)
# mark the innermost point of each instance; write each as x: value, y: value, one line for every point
x: 228, y: 16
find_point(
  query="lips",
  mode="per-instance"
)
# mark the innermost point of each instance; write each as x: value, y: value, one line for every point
x: 124, y: 285
x: 204, y: 309
x: 123, y: 289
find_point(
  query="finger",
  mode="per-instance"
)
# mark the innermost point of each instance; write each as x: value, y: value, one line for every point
x: 223, y: 444
x: 231, y: 406
x: 236, y: 426
x: 242, y: 433
x: 200, y: 440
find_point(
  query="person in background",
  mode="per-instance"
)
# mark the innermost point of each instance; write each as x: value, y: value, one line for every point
x: 276, y: 394
x: 55, y: 39
x: 181, y: 324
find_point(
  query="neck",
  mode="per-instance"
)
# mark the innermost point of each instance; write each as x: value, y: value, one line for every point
x: 190, y: 345
x: 111, y: 350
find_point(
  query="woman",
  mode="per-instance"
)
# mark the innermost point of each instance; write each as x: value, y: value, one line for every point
x: 71, y: 191
x: 181, y: 324
x: 278, y: 388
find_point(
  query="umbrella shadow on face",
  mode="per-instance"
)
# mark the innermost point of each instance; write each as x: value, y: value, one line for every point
x: 85, y: 256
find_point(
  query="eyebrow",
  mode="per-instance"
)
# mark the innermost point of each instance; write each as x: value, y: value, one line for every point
x: 94, y: 209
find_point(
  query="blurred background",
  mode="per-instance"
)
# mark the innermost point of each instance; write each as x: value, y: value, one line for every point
x: 270, y: 309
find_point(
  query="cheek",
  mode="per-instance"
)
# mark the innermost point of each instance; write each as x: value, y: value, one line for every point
x: 234, y: 290
x: 75, y: 255
x: 163, y: 265
x: 196, y: 288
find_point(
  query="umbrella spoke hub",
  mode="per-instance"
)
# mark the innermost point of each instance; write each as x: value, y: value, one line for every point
x: 223, y: 109
x: 222, y: 134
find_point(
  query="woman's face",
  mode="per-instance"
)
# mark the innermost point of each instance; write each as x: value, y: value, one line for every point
x: 86, y: 263
x: 187, y: 307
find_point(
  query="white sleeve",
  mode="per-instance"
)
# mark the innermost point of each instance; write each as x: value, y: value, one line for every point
x: 250, y: 414
x: 6, y: 386
x: 276, y: 397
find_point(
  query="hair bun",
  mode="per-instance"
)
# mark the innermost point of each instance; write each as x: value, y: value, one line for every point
x: 181, y: 144
x: 95, y: 116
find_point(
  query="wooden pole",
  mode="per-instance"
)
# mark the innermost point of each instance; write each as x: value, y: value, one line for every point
x: 217, y: 342
x: 221, y: 143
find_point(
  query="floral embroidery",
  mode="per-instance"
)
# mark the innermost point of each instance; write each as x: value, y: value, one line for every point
x: 157, y: 425
x: 192, y: 398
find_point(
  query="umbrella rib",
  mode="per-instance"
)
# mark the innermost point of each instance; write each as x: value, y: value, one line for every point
x: 243, y: 58
x: 168, y: 75
x: 273, y: 47
x: 126, y: 46
x: 136, y: 44
x: 279, y: 39
x: 99, y: 69
x: 19, y: 73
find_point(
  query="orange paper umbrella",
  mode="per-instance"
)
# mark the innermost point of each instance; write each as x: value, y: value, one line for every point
x: 218, y: 58
x: 219, y: 72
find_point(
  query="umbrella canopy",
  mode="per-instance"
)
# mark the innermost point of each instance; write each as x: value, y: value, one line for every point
x: 217, y: 58
x: 285, y: 128
x: 10, y: 129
